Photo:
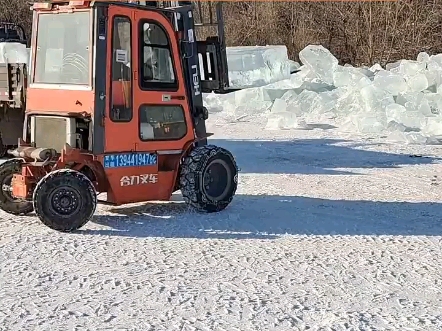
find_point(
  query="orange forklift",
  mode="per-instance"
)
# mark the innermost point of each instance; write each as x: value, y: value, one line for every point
x: 114, y: 105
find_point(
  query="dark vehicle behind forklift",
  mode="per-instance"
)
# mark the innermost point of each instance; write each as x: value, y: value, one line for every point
x: 13, y: 80
x: 115, y: 106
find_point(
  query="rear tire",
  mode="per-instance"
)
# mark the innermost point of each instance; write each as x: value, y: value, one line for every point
x: 65, y: 200
x: 209, y: 178
x: 8, y: 203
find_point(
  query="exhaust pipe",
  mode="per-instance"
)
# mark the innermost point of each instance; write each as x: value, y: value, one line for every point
x: 39, y: 154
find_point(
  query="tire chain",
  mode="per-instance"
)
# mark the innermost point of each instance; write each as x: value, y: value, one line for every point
x: 192, y: 168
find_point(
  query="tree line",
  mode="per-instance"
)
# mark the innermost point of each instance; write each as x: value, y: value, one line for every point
x: 359, y: 33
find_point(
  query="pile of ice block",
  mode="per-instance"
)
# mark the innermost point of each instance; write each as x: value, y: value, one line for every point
x: 402, y: 101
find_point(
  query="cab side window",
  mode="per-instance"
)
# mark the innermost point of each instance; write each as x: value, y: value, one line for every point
x: 121, y: 102
x: 162, y: 122
x: 157, y: 71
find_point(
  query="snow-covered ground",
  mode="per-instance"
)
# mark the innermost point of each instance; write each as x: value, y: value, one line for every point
x: 328, y: 231
x: 325, y: 233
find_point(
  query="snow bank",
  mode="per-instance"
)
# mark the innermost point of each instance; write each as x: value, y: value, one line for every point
x: 402, y: 101
x: 13, y: 53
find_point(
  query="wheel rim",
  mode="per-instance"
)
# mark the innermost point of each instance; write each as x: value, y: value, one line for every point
x: 7, y: 188
x: 65, y: 201
x: 216, y: 180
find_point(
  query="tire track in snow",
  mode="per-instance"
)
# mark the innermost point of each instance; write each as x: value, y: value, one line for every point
x: 163, y: 268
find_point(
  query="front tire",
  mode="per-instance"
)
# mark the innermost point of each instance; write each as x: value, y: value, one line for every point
x: 65, y: 200
x: 8, y: 203
x: 209, y: 178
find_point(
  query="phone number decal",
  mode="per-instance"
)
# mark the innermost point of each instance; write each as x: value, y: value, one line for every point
x: 130, y: 160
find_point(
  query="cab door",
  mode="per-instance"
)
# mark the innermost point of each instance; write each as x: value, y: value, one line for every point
x: 131, y: 173
x: 147, y: 120
x: 160, y: 99
x: 147, y: 106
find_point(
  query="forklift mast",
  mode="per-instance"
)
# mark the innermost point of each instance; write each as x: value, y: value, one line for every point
x: 204, y: 18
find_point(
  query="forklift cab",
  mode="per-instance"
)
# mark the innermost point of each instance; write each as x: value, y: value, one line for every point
x: 131, y: 71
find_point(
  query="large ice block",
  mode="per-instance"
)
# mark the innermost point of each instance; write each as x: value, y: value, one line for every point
x: 415, y: 102
x: 376, y: 67
x: 251, y: 66
x: 431, y: 105
x: 369, y: 123
x: 413, y: 121
x: 349, y: 76
x: 391, y: 82
x: 309, y: 102
x: 320, y: 61
x: 411, y: 68
x: 434, y: 72
x: 417, y: 83
x: 394, y: 112
x: 414, y: 73
x: 282, y: 117
x: 393, y: 67
x: 219, y: 102
x: 423, y: 57
x: 283, y: 120
x: 433, y: 127
x: 348, y: 102
x: 13, y: 53
x: 375, y: 98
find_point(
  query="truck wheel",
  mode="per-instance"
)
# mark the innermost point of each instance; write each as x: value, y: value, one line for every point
x: 65, y: 200
x: 209, y: 178
x: 8, y: 203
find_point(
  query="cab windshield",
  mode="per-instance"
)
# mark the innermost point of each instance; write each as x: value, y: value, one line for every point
x: 63, y: 48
